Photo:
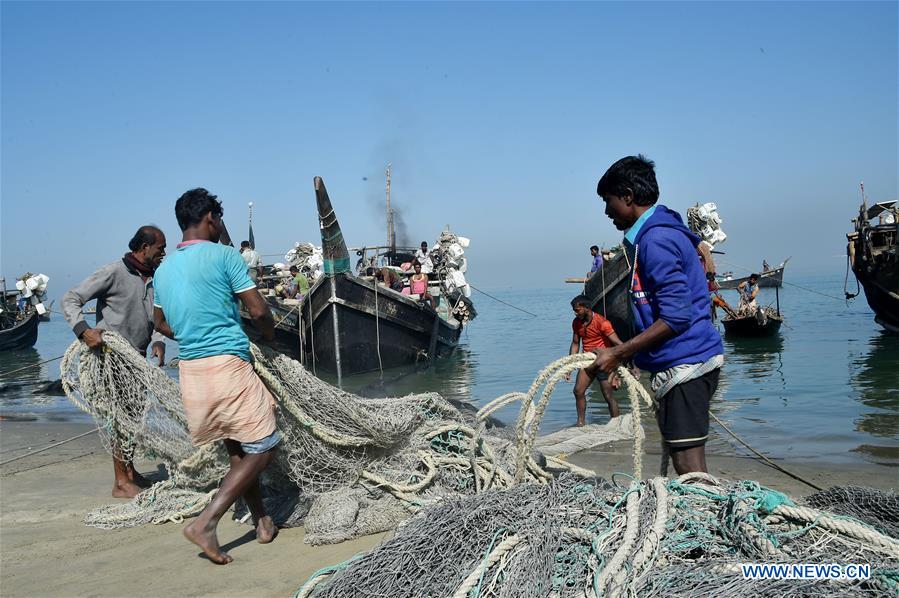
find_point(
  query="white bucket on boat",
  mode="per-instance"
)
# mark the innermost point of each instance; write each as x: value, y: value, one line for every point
x: 32, y: 283
x: 463, y: 241
x: 20, y: 284
x: 455, y: 251
x: 40, y: 308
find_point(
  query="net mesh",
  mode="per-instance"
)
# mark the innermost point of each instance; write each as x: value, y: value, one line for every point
x: 484, y: 514
x: 374, y: 461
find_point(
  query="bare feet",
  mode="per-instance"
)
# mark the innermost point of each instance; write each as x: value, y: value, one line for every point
x: 207, y: 541
x: 125, y: 489
x: 266, y: 530
x: 580, y: 423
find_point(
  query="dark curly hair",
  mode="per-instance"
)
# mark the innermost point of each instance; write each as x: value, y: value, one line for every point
x: 193, y: 205
x: 634, y: 173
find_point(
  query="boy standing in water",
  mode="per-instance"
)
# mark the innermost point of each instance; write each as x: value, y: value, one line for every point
x: 676, y: 339
x: 595, y: 332
x: 197, y: 293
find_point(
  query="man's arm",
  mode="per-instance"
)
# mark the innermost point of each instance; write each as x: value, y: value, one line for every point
x: 160, y: 324
x: 95, y: 285
x: 575, y: 344
x: 259, y: 313
x: 573, y: 349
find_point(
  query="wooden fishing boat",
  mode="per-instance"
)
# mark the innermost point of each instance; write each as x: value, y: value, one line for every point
x: 18, y: 330
x: 609, y: 292
x: 347, y: 324
x: 874, y: 258
x: 772, y: 278
x: 764, y: 322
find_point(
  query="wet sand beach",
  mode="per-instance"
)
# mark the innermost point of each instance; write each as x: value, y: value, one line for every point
x: 46, y: 550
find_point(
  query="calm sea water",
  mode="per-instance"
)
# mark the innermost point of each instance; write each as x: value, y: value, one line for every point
x: 826, y: 390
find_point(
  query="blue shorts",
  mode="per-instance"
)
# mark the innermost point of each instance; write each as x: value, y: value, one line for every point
x: 262, y: 446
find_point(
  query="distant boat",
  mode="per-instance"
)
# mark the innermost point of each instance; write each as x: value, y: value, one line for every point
x: 767, y: 278
x: 874, y: 258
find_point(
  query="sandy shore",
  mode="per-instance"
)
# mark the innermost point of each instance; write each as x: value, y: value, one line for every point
x: 46, y: 550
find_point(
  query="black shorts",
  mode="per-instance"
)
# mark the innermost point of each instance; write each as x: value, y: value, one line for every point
x: 684, y: 412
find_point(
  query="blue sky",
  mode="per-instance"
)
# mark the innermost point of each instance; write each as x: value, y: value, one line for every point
x: 499, y: 118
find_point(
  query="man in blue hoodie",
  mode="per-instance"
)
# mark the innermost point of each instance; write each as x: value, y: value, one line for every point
x: 676, y: 340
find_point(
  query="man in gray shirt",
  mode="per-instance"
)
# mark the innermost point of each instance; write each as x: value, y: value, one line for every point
x: 124, y: 294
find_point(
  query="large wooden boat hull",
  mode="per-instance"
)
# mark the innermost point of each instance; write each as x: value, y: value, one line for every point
x: 873, y: 252
x: 767, y: 279
x: 21, y: 336
x: 400, y: 329
x: 609, y: 293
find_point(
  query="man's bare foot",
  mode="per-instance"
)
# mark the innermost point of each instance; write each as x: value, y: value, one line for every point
x: 208, y: 542
x: 266, y: 530
x: 125, y: 489
x: 580, y: 423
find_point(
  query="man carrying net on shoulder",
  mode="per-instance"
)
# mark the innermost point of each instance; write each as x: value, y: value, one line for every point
x: 197, y: 293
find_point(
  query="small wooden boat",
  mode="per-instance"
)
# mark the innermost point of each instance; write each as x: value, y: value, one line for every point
x: 764, y: 322
x: 18, y: 331
x: 772, y: 278
x: 873, y: 252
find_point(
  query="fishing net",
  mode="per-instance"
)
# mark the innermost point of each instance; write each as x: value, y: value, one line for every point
x: 483, y: 513
x: 348, y: 466
x: 591, y: 537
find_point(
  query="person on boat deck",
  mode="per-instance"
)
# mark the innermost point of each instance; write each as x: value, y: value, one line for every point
x: 390, y: 279
x: 765, y: 266
x: 676, y: 340
x: 198, y: 289
x: 418, y: 285
x: 423, y: 257
x: 748, y: 290
x: 251, y: 259
x: 597, y: 261
x: 299, y: 284
x: 124, y: 294
x: 594, y: 332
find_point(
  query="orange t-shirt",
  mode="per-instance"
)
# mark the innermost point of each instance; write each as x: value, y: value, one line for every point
x: 594, y: 335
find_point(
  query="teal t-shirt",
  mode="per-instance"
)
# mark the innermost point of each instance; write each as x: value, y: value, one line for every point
x: 195, y: 287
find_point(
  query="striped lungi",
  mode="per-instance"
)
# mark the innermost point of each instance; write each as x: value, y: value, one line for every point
x: 224, y: 398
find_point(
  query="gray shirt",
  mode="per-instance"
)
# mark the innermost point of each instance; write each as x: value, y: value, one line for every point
x: 124, y: 304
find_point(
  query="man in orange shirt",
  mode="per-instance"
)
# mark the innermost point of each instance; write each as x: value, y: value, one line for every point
x: 595, y: 332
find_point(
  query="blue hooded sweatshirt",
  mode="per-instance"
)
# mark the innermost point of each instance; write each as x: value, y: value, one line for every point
x: 669, y: 284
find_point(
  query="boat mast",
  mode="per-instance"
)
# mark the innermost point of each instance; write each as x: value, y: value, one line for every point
x: 391, y: 239
x: 251, y: 239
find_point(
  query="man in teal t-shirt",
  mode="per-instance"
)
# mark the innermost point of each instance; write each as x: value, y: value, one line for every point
x: 196, y: 303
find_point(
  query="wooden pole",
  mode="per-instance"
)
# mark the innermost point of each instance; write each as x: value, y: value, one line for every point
x: 391, y: 241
